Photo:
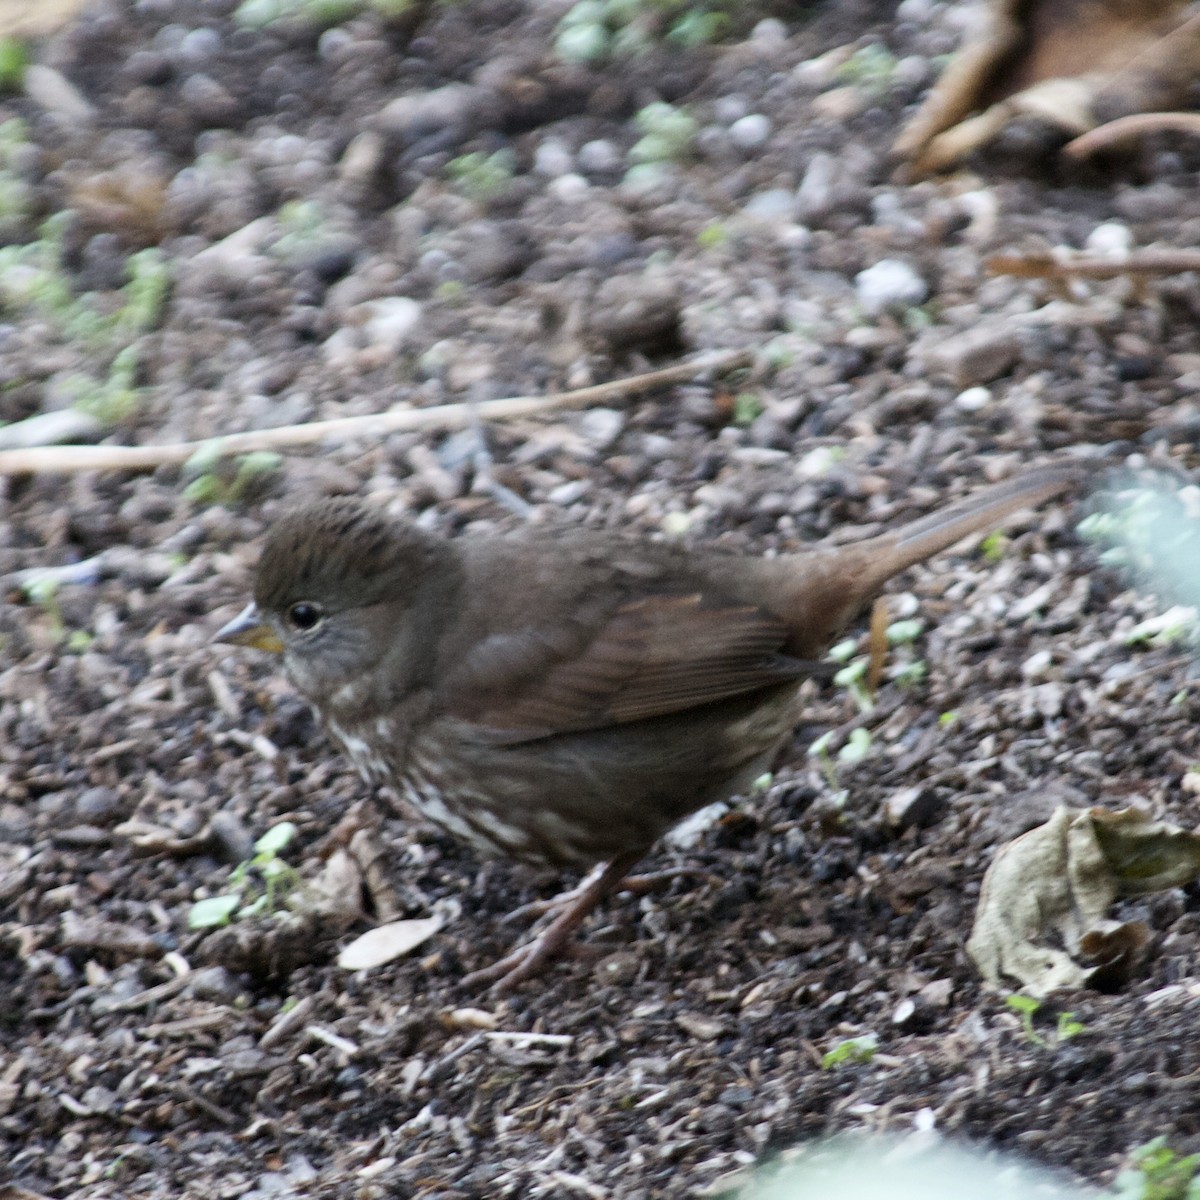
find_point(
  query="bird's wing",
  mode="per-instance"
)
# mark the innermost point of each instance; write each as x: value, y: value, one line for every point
x: 651, y: 656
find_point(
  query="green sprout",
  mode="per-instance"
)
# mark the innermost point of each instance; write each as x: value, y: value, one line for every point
x: 301, y: 223
x: 116, y: 398
x: 904, y: 633
x: 320, y: 14
x: 1068, y: 1027
x: 668, y: 134
x: 747, y: 408
x: 33, y: 280
x: 482, y: 177
x: 43, y: 591
x: 1026, y: 1007
x: 820, y: 751
x: 595, y: 31
x: 870, y: 67
x: 14, y: 58
x: 993, y: 547
x: 698, y: 26
x: 1177, y: 626
x: 1154, y: 534
x: 857, y: 747
x: 852, y: 1050
x: 713, y: 236
x: 215, y: 479
x: 853, y: 677
x: 257, y: 885
x: 1158, y: 1173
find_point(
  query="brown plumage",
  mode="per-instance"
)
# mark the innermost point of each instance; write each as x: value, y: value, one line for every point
x: 566, y: 696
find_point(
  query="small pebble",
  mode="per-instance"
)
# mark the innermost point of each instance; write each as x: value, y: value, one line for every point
x: 569, y: 186
x: 973, y: 400
x: 731, y: 108
x: 815, y: 195
x: 207, y: 98
x: 1112, y: 240
x: 839, y: 104
x: 975, y: 356
x: 567, y: 493
x: 418, y: 114
x: 53, y: 91
x: 771, y: 205
x: 552, y: 159
x: 890, y: 283
x: 911, y: 71
x: 602, y: 426
x: 750, y: 132
x: 199, y: 45
x: 50, y: 429
x: 599, y: 157
x: 1037, y: 664
x: 391, y: 320
x: 769, y: 33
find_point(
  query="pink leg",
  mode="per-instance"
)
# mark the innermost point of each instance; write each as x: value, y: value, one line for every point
x: 527, y: 961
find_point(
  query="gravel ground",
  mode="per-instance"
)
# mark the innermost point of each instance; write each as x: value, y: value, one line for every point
x: 440, y: 211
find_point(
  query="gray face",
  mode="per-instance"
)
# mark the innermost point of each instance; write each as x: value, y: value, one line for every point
x: 324, y: 650
x: 348, y: 591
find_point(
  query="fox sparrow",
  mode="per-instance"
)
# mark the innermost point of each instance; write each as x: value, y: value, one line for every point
x: 565, y: 696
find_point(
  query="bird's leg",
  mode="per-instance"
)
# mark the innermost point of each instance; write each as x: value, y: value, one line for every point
x: 635, y: 885
x: 528, y: 960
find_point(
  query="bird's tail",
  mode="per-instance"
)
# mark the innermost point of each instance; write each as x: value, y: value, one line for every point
x: 825, y: 588
x: 983, y: 511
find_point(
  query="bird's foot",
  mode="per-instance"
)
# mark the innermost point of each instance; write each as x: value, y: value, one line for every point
x: 635, y: 885
x: 529, y: 960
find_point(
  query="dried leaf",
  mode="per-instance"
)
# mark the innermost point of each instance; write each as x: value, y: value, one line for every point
x: 387, y: 942
x: 1071, y: 64
x: 22, y: 19
x: 1051, y: 887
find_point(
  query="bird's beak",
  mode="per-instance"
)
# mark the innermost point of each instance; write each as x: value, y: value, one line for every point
x: 249, y: 629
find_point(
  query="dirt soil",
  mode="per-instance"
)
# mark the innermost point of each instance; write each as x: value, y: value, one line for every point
x: 138, y: 761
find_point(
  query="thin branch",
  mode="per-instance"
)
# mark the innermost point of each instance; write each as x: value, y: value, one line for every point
x: 1166, y: 260
x: 402, y: 419
x: 1117, y: 133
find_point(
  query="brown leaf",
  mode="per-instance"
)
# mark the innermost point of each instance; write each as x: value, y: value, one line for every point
x: 23, y: 19
x: 1071, y: 64
x: 1052, y: 886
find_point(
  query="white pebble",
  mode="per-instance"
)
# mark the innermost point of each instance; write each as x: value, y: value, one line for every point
x: 552, y: 159
x: 199, y: 45
x: 771, y: 205
x: 769, y: 33
x: 890, y: 283
x: 816, y: 463
x: 1112, y: 239
x: 391, y: 320
x: 599, y: 156
x: 569, y: 186
x: 912, y: 70
x: 569, y: 492
x: 973, y: 399
x: 602, y: 426
x: 750, y: 132
x: 1036, y: 664
x: 727, y: 109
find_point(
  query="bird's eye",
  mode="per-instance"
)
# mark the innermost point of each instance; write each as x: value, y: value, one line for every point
x: 304, y: 615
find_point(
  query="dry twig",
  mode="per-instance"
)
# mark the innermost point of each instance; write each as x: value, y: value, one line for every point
x: 1117, y: 133
x: 69, y: 459
x: 1049, y: 265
